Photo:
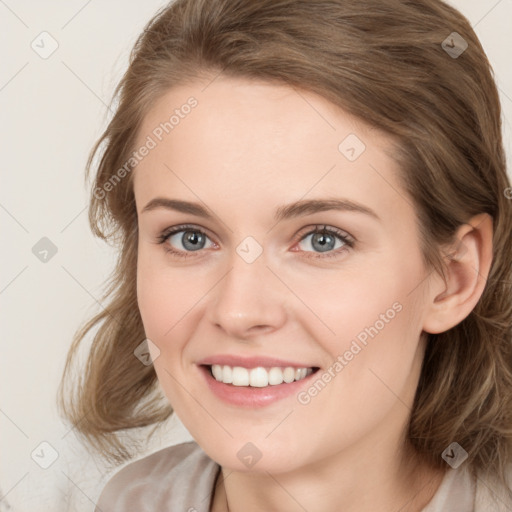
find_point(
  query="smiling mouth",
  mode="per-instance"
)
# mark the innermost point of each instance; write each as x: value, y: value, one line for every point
x: 258, y: 377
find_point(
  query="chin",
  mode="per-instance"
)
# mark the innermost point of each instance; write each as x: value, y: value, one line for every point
x: 254, y: 456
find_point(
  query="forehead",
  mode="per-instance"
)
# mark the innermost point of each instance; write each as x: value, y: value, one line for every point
x: 254, y: 141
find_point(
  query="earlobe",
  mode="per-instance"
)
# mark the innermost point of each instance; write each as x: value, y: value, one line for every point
x: 468, y: 262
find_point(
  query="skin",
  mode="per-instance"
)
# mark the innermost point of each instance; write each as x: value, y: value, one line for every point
x: 246, y: 149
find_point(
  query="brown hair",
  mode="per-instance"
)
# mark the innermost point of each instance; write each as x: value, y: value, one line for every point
x: 384, y: 63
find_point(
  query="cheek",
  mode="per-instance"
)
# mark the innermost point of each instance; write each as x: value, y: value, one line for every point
x: 374, y: 369
x: 349, y: 302
x: 376, y: 317
x: 171, y: 301
x: 162, y: 304
x: 163, y: 293
x: 154, y: 301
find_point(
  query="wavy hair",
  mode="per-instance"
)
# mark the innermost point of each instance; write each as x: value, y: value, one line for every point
x: 385, y: 63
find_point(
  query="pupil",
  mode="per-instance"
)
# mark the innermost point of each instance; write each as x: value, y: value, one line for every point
x: 326, y: 241
x: 192, y: 240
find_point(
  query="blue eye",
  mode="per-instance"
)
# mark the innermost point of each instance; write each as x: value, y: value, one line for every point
x: 183, y: 241
x: 327, y: 240
x: 191, y: 239
x: 323, y: 241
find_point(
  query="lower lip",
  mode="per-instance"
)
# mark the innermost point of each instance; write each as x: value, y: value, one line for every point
x: 247, y: 396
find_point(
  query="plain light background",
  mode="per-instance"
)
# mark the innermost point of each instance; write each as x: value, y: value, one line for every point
x: 52, y: 111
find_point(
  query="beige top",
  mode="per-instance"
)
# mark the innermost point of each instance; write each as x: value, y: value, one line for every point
x: 181, y: 478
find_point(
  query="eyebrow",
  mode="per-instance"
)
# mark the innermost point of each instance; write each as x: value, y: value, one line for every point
x: 288, y: 211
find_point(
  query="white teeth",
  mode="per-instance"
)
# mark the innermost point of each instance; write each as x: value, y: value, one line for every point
x: 240, y: 376
x: 289, y: 374
x: 217, y: 372
x: 227, y: 375
x: 258, y: 377
x: 300, y: 373
x: 275, y: 376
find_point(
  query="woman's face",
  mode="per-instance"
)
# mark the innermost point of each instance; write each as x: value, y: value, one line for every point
x: 250, y: 170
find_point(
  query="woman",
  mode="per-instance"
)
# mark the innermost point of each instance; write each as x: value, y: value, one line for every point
x: 310, y: 200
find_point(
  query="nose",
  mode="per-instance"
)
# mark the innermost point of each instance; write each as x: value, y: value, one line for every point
x: 249, y: 301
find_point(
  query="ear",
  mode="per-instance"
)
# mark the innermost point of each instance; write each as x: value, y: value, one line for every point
x: 468, y: 262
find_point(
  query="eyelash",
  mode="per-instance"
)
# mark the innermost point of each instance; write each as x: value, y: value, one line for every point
x: 347, y: 240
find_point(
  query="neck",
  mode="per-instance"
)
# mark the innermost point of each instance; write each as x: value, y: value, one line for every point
x: 362, y: 484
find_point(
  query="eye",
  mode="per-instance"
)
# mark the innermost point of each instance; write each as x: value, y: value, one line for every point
x: 326, y: 240
x: 181, y: 240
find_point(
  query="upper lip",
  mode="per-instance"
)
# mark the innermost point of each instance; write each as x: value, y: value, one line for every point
x: 251, y: 362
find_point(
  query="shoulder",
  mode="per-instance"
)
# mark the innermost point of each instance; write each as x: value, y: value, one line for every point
x: 462, y: 490
x: 455, y: 493
x: 161, y: 480
x: 491, y: 495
